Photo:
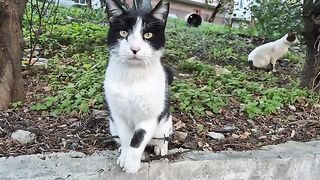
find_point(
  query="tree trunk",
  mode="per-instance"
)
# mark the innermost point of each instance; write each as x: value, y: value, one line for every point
x: 89, y: 3
x: 215, y: 11
x: 11, y: 44
x: 142, y: 4
x: 310, y: 77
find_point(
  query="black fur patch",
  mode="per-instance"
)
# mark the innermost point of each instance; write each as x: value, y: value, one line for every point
x: 169, y: 80
x: 137, y: 138
x: 252, y: 67
x: 291, y: 37
x: 169, y: 74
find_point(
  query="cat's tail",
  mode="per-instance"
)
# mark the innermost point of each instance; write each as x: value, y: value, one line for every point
x: 250, y: 64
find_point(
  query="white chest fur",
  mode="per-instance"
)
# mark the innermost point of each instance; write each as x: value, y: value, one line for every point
x: 135, y: 93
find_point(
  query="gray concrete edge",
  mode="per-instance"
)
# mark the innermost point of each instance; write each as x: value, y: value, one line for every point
x: 292, y: 160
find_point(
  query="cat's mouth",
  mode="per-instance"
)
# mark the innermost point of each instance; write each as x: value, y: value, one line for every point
x: 135, y: 58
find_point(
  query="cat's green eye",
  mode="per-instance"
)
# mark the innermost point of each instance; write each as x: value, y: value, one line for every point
x: 123, y: 33
x: 147, y: 35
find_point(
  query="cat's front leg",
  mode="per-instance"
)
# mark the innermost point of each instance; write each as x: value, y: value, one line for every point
x: 273, y: 64
x: 161, y: 135
x: 119, y: 128
x: 141, y: 137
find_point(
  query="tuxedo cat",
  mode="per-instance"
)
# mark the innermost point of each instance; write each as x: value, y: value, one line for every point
x: 136, y: 83
x: 267, y: 54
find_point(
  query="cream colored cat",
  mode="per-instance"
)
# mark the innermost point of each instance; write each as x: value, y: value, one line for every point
x: 267, y: 54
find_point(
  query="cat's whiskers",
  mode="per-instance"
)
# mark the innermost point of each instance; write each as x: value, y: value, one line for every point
x: 146, y: 63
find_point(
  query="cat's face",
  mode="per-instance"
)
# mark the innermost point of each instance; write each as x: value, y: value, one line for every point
x: 292, y: 38
x: 136, y: 37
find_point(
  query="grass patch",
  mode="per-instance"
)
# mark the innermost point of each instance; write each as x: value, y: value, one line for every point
x: 78, y: 58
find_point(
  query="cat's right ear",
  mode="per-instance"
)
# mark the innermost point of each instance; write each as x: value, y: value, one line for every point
x: 114, y: 8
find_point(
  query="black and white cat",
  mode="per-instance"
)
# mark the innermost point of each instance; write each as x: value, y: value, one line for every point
x: 267, y: 54
x: 136, y: 83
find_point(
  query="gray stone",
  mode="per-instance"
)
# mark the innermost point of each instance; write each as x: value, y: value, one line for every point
x: 280, y: 130
x: 292, y: 160
x: 100, y: 114
x: 23, y: 136
x: 251, y: 121
x: 180, y: 136
x: 292, y: 107
x: 226, y: 129
x: 217, y: 136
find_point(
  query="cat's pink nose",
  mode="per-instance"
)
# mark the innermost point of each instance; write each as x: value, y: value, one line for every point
x: 135, y: 50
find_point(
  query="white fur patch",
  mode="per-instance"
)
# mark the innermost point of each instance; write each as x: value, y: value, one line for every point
x: 270, y: 52
x: 135, y: 88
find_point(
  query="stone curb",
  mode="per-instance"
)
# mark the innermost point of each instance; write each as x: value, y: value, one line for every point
x: 289, y: 161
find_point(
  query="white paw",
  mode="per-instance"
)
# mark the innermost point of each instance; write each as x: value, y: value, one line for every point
x: 161, y: 149
x: 119, y: 149
x: 144, y: 156
x: 121, y: 159
x: 131, y: 166
x: 273, y: 70
x: 129, y: 160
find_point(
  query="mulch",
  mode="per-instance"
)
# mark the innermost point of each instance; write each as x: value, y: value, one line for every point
x: 89, y: 133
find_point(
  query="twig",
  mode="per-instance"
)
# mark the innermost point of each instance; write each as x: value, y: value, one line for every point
x: 304, y: 122
x: 167, y: 156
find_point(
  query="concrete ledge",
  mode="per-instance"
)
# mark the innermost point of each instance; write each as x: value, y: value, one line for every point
x: 292, y: 160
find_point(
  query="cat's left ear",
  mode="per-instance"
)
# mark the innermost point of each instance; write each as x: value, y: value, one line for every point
x: 161, y: 11
x: 291, y: 37
x: 114, y: 8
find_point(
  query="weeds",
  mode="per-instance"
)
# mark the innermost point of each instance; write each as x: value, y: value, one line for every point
x: 78, y: 58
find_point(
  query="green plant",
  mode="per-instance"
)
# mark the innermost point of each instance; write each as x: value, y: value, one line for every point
x: 274, y: 18
x: 78, y: 57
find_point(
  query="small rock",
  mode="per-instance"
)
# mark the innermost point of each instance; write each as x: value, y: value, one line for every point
x: 180, y: 136
x: 262, y: 137
x: 245, y: 135
x: 75, y: 125
x: 280, y: 130
x: 235, y: 136
x: 200, y: 144
x: 254, y: 131
x: 209, y: 113
x: 74, y: 146
x: 217, y: 136
x: 292, y: 107
x: 23, y: 137
x: 75, y: 154
x: 274, y: 137
x: 184, y: 75
x: 291, y: 118
x: 226, y: 129
x: 293, y: 133
x: 251, y: 121
x: 99, y: 114
x: 47, y: 88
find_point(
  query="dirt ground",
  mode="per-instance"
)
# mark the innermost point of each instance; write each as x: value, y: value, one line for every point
x: 89, y: 133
